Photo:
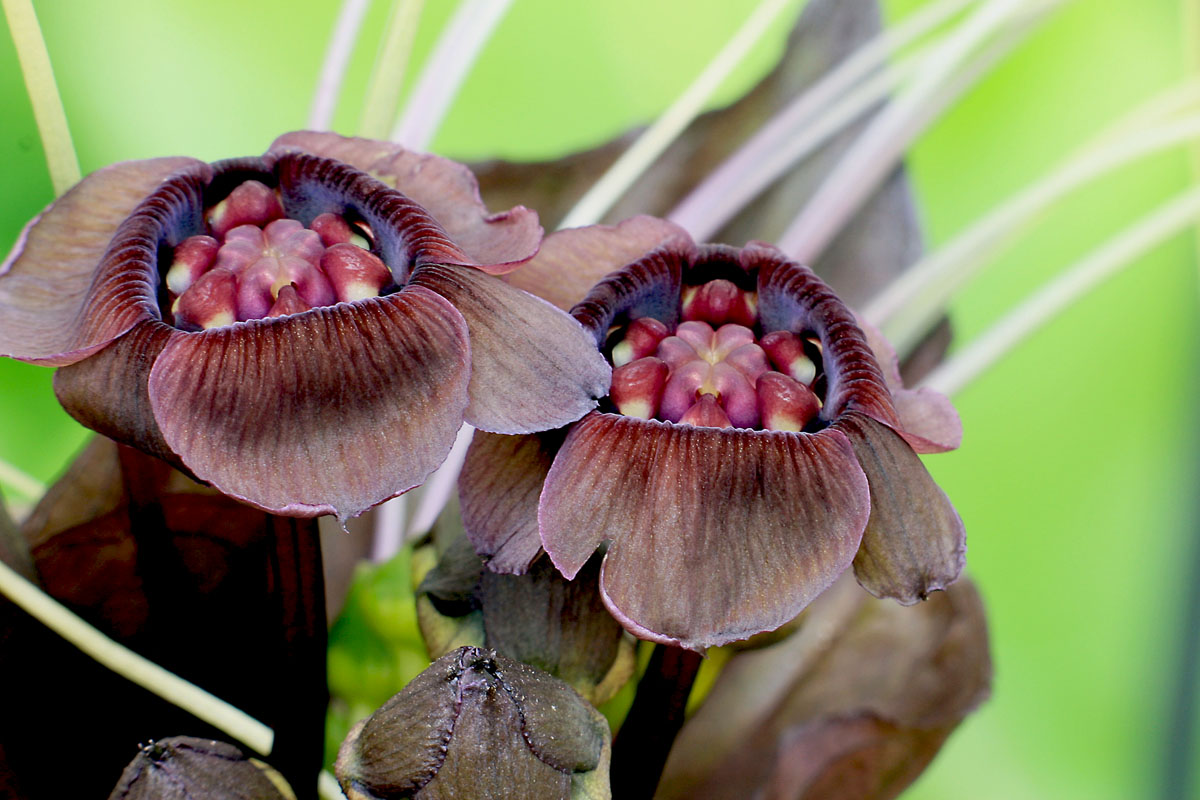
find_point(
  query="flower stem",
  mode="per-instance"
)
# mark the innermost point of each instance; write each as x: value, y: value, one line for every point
x: 856, y: 84
x: 642, y: 153
x: 132, y: 666
x: 1121, y: 251
x: 912, y: 304
x: 441, y: 77
x: 333, y: 69
x: 25, y: 485
x: 644, y: 741
x: 61, y: 160
x: 875, y: 153
x: 387, y: 77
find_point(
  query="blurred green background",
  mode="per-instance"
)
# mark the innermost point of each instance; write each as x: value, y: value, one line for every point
x: 1077, y: 478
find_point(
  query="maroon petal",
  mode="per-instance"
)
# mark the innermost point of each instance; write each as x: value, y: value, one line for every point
x: 330, y: 411
x: 532, y: 366
x: 56, y: 301
x: 109, y: 391
x: 498, y: 490
x: 791, y: 298
x: 914, y: 543
x: 571, y: 261
x: 928, y: 420
x: 716, y: 535
x: 447, y: 190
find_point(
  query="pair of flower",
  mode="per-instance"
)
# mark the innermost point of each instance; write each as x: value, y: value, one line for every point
x: 306, y: 331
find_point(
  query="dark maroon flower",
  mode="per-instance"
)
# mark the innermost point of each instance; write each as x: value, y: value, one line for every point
x: 749, y: 452
x: 302, y: 335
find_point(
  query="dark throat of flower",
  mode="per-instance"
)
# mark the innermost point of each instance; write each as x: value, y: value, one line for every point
x: 716, y: 367
x: 253, y: 262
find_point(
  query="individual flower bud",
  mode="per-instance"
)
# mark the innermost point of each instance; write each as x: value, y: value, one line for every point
x: 198, y: 769
x: 251, y: 203
x: 192, y: 258
x: 718, y: 302
x: 332, y: 228
x: 288, y: 302
x: 785, y: 404
x: 706, y: 413
x: 786, y: 351
x: 356, y: 274
x: 477, y: 724
x: 211, y: 302
x: 637, y: 387
x: 641, y: 339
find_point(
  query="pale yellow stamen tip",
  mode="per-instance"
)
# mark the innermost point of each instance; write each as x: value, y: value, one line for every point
x: 622, y: 354
x: 359, y: 291
x: 219, y: 320
x: 636, y: 408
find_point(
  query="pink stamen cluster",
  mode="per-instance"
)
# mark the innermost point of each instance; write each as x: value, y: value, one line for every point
x: 712, y: 370
x: 259, y: 264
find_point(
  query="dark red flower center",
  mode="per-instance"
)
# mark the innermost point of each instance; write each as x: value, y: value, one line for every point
x: 713, y: 369
x: 255, y: 263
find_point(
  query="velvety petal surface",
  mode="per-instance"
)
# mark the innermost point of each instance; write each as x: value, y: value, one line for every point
x: 498, y: 490
x: 330, y: 411
x: 49, y: 280
x: 447, y: 190
x: 791, y: 298
x: 716, y: 535
x: 532, y: 366
x: 928, y: 420
x: 572, y: 261
x: 915, y: 542
x: 109, y: 391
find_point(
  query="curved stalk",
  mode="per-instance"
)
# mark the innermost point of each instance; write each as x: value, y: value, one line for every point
x: 61, y: 160
x: 130, y: 665
x: 333, y: 68
x: 913, y: 303
x: 1120, y: 252
x: 634, y: 161
x: 441, y: 77
x: 387, y: 78
x: 827, y: 106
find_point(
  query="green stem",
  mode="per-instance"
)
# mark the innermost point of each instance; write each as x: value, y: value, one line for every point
x: 1121, y: 251
x: 642, y: 153
x: 382, y: 100
x: 61, y: 160
x: 130, y: 665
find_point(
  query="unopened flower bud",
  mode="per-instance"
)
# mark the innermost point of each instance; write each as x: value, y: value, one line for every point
x: 477, y: 724
x: 637, y: 387
x: 356, y: 274
x: 785, y: 404
x: 641, y: 339
x: 786, y: 351
x: 251, y: 203
x: 192, y: 258
x: 202, y: 769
